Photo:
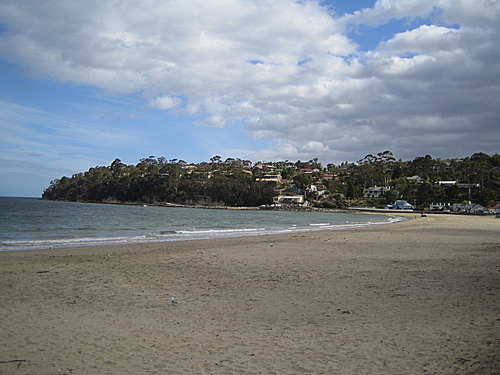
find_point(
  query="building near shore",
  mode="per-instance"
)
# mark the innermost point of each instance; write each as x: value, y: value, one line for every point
x: 468, y: 208
x: 289, y: 199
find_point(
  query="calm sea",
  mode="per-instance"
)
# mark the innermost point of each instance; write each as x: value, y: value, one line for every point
x: 30, y: 223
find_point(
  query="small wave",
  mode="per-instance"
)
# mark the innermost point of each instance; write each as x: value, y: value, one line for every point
x: 219, y: 231
x: 182, y: 235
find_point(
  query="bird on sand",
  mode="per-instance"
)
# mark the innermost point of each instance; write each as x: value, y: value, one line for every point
x: 173, y: 300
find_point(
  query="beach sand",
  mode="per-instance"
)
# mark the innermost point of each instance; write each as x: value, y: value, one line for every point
x: 420, y: 296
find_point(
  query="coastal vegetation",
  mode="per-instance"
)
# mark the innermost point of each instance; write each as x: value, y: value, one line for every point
x: 234, y: 182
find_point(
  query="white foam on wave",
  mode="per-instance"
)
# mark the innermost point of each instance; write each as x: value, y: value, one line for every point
x: 218, y: 231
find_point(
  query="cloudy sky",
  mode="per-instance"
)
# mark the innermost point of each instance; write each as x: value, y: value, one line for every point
x: 83, y: 82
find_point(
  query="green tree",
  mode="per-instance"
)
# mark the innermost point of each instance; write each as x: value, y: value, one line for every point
x: 303, y: 180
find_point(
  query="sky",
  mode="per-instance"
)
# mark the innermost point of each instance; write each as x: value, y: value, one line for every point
x: 83, y: 82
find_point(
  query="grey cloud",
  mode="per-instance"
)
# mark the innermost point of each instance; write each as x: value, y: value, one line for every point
x: 433, y: 88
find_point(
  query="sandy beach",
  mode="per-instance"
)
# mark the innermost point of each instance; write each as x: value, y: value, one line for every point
x: 416, y: 297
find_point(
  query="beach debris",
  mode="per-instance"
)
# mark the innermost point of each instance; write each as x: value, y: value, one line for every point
x: 173, y: 300
x: 19, y: 361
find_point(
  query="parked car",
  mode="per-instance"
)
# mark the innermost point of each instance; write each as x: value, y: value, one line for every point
x: 400, y: 205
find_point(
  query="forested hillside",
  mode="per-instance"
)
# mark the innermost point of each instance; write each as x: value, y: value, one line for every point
x: 236, y: 182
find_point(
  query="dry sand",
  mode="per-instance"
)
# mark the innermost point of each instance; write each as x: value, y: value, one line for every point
x: 416, y: 297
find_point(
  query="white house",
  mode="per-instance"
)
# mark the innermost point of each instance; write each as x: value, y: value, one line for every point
x: 289, y: 199
x: 375, y: 191
x: 439, y: 206
x: 271, y: 177
x: 470, y: 208
x: 446, y: 183
x: 415, y: 179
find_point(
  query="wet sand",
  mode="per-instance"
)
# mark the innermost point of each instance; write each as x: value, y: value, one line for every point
x: 421, y: 296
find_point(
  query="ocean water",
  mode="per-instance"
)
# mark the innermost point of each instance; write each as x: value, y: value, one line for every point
x: 30, y: 223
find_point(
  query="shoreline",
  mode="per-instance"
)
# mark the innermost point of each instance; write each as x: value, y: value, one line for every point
x: 47, y: 243
x: 217, y: 207
x: 415, y: 296
x: 203, y: 242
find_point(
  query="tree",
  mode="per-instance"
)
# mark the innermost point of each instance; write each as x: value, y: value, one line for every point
x: 351, y: 191
x: 216, y: 159
x: 303, y: 180
x: 390, y: 196
x: 161, y: 180
x: 117, y: 167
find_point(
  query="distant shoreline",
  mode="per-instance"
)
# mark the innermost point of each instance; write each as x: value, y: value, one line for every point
x: 349, y: 210
x: 217, y: 207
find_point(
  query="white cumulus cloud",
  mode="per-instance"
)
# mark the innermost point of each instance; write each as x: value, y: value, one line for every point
x: 289, y: 70
x: 166, y: 102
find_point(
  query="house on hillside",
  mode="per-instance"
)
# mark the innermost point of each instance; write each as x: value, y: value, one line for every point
x: 267, y: 167
x: 446, y: 183
x: 468, y: 186
x: 375, y: 191
x: 271, y: 177
x: 415, y: 179
x: 330, y: 175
